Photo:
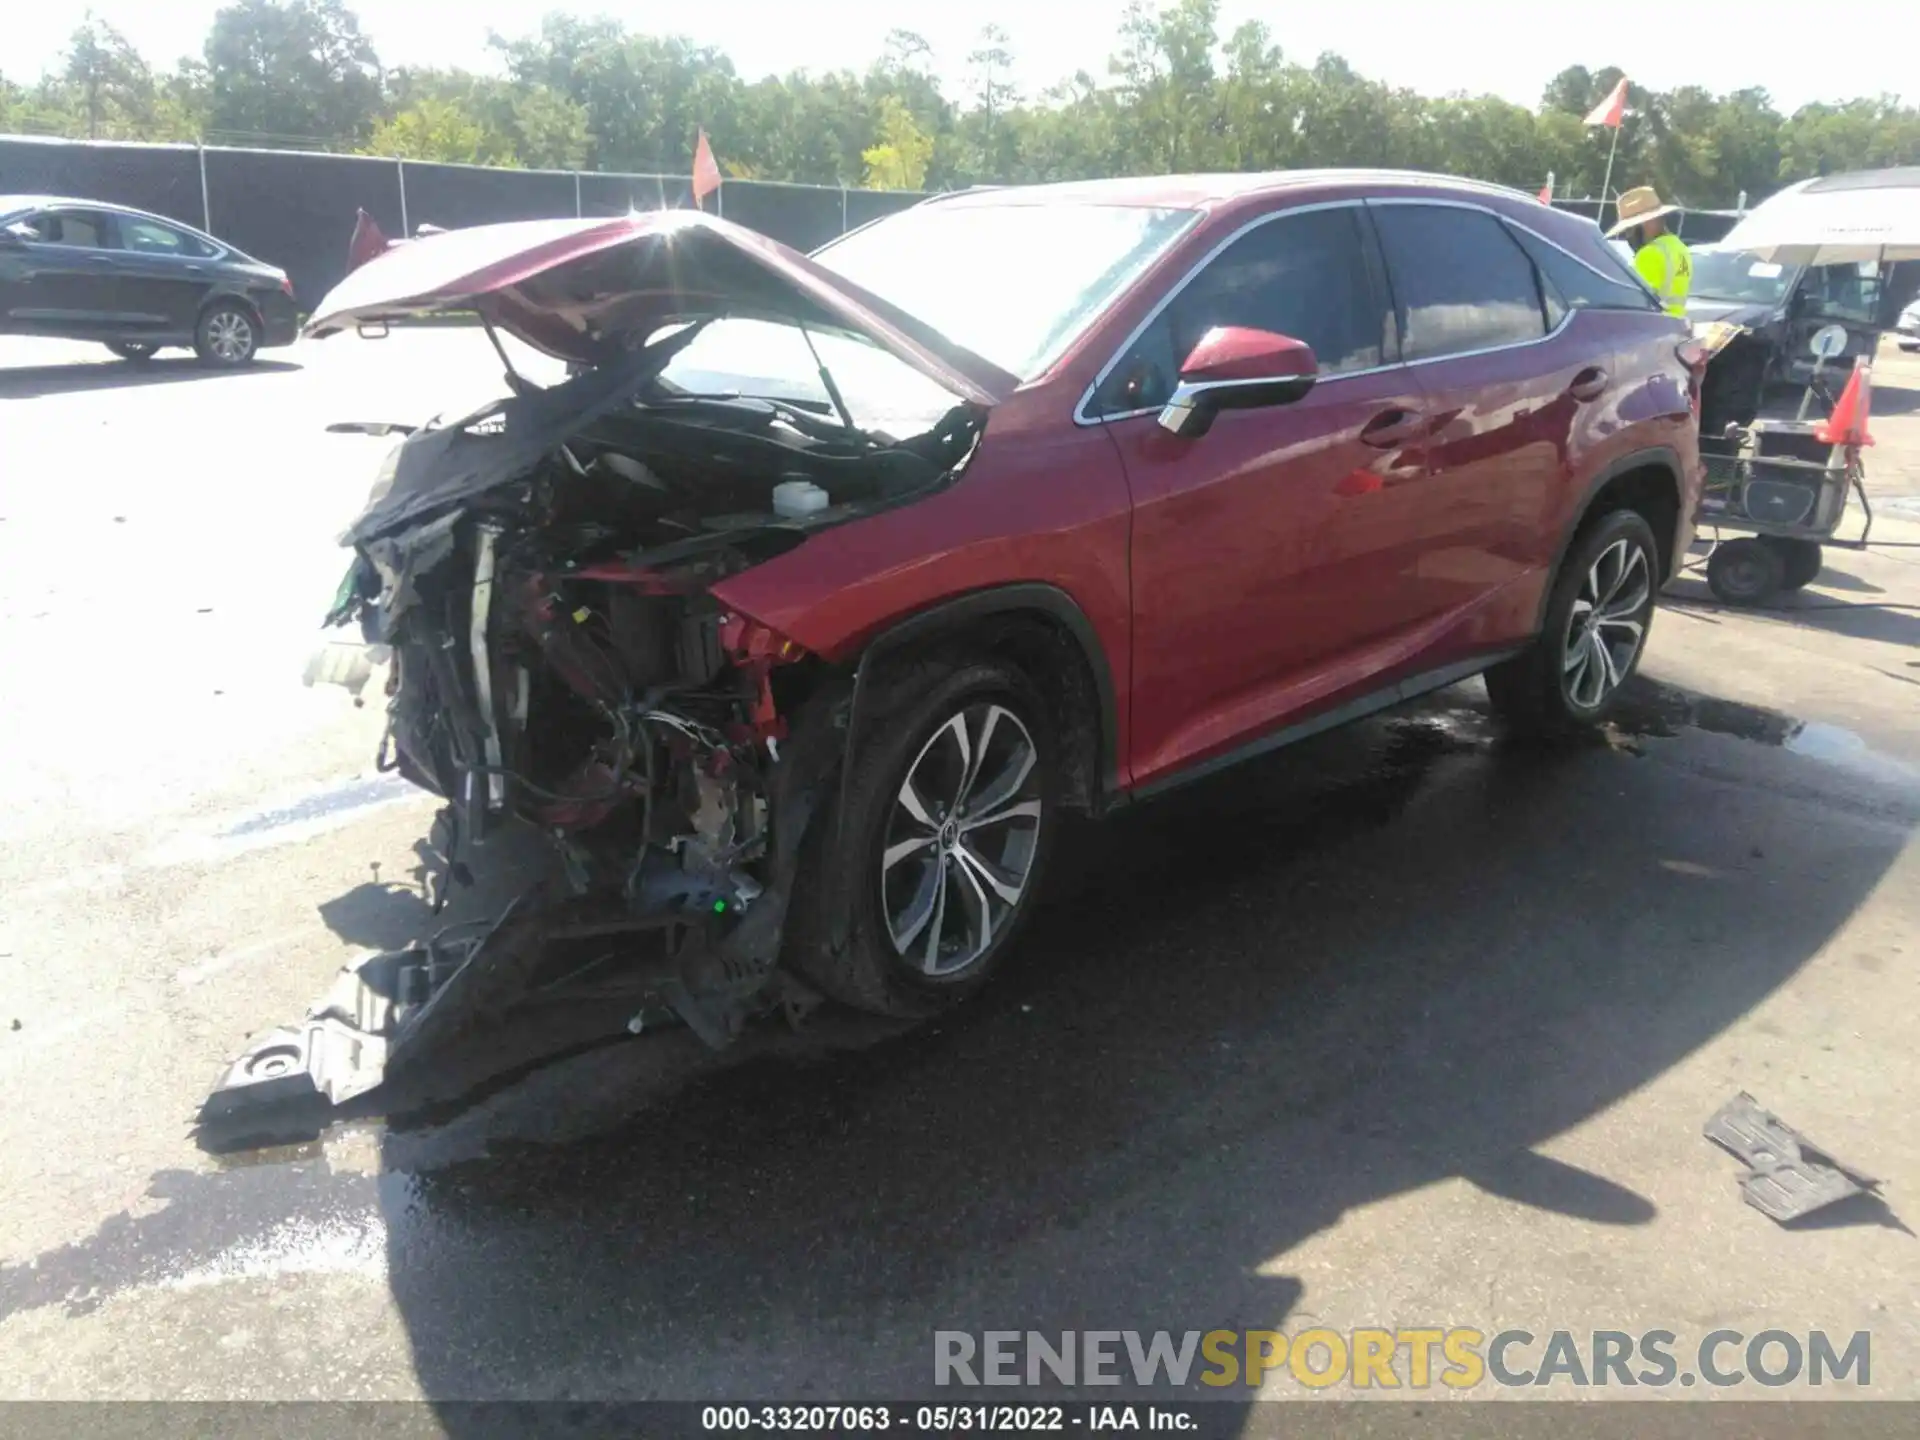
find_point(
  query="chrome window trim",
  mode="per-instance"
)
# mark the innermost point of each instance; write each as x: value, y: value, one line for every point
x: 1081, y: 417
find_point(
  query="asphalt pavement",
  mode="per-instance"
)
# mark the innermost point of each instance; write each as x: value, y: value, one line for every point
x: 1405, y: 1026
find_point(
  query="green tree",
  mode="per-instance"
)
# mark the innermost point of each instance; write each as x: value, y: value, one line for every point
x: 593, y: 93
x: 1165, y: 69
x: 550, y: 132
x: 898, y: 160
x: 645, y: 97
x: 435, y: 129
x: 1746, y: 138
x: 1861, y: 134
x: 454, y: 113
x: 109, y: 84
x: 291, y: 70
x: 1259, y: 104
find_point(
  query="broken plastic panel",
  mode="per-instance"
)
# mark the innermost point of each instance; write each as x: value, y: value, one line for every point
x: 1788, y: 1175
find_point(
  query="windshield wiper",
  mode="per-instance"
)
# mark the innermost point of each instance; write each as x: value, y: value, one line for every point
x: 779, y: 402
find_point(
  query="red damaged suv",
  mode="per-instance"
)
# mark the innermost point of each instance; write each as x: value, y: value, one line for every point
x: 801, y: 611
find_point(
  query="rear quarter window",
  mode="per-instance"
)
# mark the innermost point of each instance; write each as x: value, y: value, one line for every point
x: 1597, y: 281
x: 147, y: 237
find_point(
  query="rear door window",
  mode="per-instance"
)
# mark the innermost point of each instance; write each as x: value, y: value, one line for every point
x: 1460, y: 280
x: 1308, y: 275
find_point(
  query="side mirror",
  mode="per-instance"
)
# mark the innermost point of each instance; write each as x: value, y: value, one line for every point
x: 1233, y: 368
x: 18, y: 233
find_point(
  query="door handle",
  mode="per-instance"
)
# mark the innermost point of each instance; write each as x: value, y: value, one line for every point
x: 1589, y: 384
x: 1391, y: 427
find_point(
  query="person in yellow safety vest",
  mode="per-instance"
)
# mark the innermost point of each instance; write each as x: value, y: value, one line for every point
x: 1658, y: 254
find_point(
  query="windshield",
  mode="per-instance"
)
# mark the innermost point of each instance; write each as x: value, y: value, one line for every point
x: 1738, y: 275
x: 764, y: 358
x: 1014, y: 283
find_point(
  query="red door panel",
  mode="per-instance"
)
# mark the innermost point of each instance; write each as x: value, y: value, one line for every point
x: 1508, y: 428
x: 1262, y: 552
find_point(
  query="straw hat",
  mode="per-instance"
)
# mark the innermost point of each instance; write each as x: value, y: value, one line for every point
x: 1637, y: 206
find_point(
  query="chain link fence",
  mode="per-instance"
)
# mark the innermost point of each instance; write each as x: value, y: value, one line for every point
x: 296, y: 209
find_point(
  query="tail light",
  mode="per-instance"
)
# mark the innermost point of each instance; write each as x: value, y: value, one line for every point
x: 286, y: 286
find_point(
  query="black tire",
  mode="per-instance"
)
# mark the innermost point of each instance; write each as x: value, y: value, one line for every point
x: 1745, y: 572
x: 1537, y: 693
x: 841, y: 930
x: 138, y: 352
x: 1800, y: 560
x: 228, y: 335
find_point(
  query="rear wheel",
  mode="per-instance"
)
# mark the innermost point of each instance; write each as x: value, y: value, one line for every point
x: 227, y: 337
x: 907, y: 898
x: 1800, y: 560
x: 1746, y: 571
x: 134, y: 350
x: 1595, y: 631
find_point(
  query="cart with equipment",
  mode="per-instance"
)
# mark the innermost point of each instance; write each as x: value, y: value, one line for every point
x: 1784, y: 485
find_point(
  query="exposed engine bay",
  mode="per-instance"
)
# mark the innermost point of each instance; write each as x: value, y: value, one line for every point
x: 539, y: 576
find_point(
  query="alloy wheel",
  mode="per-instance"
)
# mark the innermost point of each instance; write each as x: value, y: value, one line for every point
x: 229, y: 335
x: 960, y: 839
x: 1608, y: 623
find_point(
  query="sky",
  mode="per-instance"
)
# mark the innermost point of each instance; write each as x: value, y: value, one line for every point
x: 1495, y: 47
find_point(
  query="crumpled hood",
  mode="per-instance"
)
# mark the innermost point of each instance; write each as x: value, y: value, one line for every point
x: 444, y: 464
x: 591, y: 291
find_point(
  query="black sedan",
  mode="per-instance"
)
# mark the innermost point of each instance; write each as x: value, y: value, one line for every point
x: 81, y: 270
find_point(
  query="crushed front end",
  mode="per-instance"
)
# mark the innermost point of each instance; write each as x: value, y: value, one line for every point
x: 537, y: 579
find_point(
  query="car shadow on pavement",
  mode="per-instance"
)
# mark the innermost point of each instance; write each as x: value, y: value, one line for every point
x: 26, y: 382
x: 1401, y: 955
x: 1866, y: 618
x: 386, y: 914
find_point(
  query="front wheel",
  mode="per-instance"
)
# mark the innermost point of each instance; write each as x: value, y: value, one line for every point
x: 909, y: 893
x: 226, y: 337
x: 1596, y: 629
x: 133, y: 350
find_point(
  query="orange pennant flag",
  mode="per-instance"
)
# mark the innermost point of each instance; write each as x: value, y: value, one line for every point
x: 706, y: 171
x: 1610, y: 110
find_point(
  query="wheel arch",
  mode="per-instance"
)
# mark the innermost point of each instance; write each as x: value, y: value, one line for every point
x: 1043, y: 629
x: 224, y: 293
x: 1644, y: 480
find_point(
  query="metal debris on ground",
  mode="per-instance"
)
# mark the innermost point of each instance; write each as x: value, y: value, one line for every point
x: 1788, y: 1176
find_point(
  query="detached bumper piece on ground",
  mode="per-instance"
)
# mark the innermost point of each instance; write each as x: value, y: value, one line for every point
x: 1788, y: 1175
x: 444, y: 1020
